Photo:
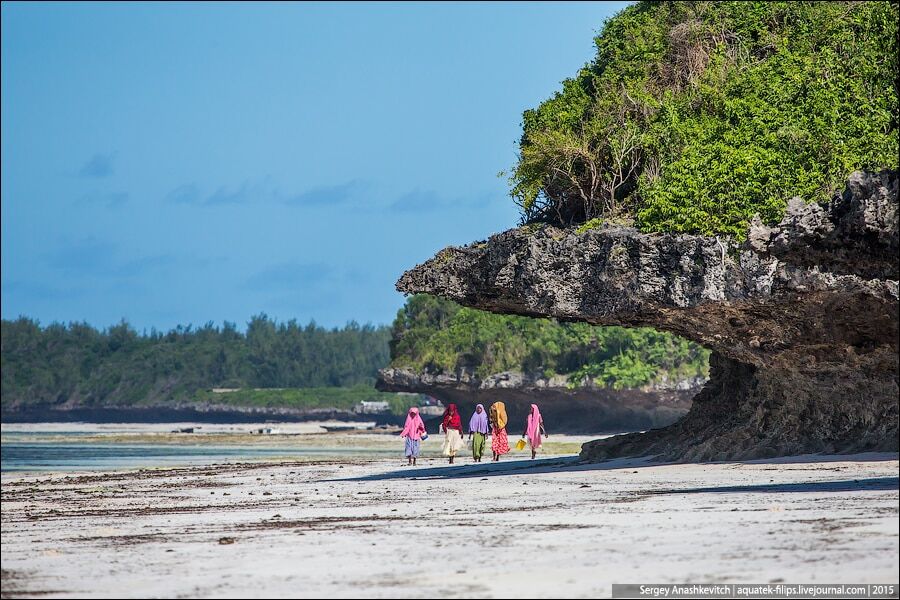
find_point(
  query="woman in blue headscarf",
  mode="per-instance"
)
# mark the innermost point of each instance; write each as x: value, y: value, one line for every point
x: 478, y: 430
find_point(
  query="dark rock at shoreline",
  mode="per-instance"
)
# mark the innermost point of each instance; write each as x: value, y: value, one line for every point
x: 576, y: 411
x: 802, y: 318
x: 199, y: 414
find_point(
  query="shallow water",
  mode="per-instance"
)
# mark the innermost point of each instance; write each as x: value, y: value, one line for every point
x: 82, y: 447
x: 51, y: 456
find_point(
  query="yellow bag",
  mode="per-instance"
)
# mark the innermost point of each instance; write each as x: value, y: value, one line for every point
x: 520, y: 445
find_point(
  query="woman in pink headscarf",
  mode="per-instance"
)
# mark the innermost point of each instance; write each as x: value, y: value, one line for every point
x: 412, y: 431
x: 534, y: 429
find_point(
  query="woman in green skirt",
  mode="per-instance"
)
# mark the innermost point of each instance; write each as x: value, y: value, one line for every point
x: 478, y: 431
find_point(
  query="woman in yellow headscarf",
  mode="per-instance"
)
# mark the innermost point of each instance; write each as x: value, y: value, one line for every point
x: 499, y: 441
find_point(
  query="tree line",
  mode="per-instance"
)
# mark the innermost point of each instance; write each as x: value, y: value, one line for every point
x: 78, y: 364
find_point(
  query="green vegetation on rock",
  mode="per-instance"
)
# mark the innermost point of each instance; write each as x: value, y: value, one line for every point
x: 694, y: 116
x: 437, y: 335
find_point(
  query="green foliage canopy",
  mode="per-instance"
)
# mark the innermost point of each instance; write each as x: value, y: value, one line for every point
x: 437, y: 335
x: 695, y: 116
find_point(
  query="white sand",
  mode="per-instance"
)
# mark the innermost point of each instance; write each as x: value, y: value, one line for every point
x: 514, y: 529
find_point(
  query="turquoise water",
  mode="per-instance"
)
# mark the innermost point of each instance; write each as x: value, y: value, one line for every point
x: 91, y: 457
x: 81, y: 457
x: 17, y: 453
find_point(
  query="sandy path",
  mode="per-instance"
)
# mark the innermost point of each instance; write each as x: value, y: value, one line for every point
x: 517, y: 529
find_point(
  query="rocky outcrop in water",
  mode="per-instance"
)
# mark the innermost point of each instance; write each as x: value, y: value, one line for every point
x: 584, y: 409
x: 802, y: 318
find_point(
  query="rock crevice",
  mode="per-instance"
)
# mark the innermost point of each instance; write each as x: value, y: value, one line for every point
x: 802, y: 318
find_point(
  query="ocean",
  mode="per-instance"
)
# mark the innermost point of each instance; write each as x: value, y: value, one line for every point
x: 91, y: 447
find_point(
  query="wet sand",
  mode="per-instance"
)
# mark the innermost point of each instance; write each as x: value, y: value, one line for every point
x: 514, y: 529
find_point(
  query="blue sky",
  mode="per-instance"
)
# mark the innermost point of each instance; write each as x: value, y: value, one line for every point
x: 180, y: 163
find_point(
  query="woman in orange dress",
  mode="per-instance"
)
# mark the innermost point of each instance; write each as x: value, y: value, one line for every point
x: 499, y: 441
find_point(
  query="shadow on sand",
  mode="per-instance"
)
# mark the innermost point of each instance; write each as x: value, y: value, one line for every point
x: 572, y: 464
x: 509, y: 467
x: 843, y: 485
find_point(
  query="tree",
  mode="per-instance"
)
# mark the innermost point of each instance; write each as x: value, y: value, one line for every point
x: 696, y: 116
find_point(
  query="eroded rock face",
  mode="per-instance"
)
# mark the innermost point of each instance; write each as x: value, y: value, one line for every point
x: 802, y: 318
x: 565, y: 410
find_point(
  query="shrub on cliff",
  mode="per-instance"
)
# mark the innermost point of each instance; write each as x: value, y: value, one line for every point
x: 694, y: 116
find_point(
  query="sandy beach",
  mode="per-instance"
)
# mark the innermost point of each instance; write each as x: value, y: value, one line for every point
x: 518, y: 528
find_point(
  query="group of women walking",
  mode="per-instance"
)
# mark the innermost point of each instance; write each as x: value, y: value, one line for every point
x: 481, y: 426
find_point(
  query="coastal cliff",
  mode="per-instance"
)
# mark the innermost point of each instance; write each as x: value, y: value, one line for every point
x: 801, y: 318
